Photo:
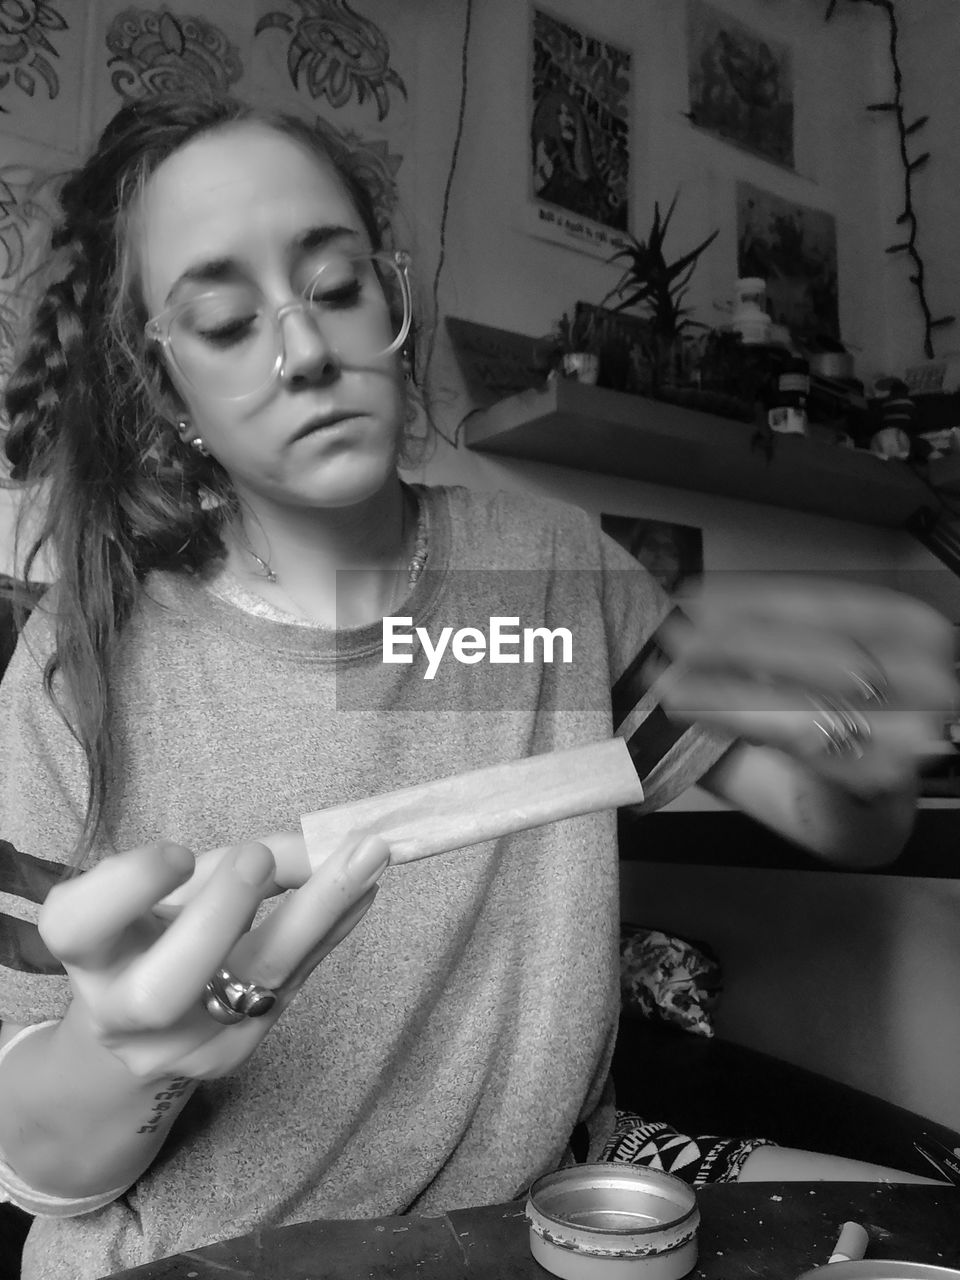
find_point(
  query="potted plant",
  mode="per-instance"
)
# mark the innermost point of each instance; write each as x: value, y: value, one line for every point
x: 575, y: 346
x: 658, y: 289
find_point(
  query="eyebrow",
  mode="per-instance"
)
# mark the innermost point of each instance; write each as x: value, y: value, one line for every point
x: 212, y: 270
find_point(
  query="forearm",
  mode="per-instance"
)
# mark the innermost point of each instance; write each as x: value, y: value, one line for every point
x: 74, y: 1121
x: 842, y: 828
x: 804, y: 807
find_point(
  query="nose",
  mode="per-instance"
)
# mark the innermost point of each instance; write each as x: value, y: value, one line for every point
x: 308, y: 357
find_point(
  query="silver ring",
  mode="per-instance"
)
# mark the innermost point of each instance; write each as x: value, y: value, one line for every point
x: 229, y: 1000
x: 874, y: 690
x: 844, y: 729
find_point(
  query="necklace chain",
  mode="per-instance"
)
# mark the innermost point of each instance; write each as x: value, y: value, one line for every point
x: 415, y: 565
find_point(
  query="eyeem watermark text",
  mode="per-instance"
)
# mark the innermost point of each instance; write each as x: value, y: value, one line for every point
x: 503, y: 641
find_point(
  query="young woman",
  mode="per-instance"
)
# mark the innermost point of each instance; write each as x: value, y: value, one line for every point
x: 212, y: 405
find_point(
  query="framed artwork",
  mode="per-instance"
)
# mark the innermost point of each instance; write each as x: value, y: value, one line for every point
x: 579, y: 135
x: 741, y: 83
x: 673, y: 553
x: 793, y: 248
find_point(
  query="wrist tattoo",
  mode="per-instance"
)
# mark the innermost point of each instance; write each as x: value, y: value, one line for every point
x: 163, y: 1102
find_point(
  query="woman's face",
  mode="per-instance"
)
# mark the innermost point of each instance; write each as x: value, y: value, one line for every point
x: 244, y: 211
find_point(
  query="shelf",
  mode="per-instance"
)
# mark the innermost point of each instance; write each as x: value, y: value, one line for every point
x: 591, y: 428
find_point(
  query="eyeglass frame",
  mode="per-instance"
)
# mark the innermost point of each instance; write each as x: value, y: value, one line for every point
x: 157, y: 328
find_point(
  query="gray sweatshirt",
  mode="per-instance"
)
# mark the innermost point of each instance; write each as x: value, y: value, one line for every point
x: 442, y: 1054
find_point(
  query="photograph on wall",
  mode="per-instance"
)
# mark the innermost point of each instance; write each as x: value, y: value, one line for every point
x: 579, y: 156
x: 741, y: 83
x: 794, y: 249
x: 673, y: 553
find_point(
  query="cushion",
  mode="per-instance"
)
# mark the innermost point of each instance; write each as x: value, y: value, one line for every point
x: 669, y: 979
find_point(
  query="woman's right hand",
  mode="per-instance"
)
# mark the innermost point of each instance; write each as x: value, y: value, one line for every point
x: 138, y: 980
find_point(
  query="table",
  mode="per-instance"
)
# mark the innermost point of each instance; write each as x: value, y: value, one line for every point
x: 749, y: 1231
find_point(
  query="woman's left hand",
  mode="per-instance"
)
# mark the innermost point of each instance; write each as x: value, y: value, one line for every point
x: 854, y: 681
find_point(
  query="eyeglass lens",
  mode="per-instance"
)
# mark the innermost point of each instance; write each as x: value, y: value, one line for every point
x: 229, y: 342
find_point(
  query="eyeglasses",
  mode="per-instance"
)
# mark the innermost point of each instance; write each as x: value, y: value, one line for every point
x: 228, y: 343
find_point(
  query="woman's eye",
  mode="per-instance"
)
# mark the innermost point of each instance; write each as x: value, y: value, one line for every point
x: 227, y: 332
x: 345, y: 294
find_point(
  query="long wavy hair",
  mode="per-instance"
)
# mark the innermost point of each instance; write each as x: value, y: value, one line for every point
x: 118, y: 493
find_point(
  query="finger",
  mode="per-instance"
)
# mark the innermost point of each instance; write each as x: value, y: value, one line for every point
x: 790, y: 719
x: 768, y: 654
x: 161, y: 985
x: 344, y: 926
x: 864, y: 611
x: 83, y: 918
x: 206, y: 864
x: 809, y: 659
x: 289, y: 854
x: 318, y: 915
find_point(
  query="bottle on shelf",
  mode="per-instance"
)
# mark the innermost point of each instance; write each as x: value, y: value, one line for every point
x: 787, y: 412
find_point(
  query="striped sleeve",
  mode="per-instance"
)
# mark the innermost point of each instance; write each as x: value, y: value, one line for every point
x: 25, y: 881
x: 42, y: 783
x: 669, y: 756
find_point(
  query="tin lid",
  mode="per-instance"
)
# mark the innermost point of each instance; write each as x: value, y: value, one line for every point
x: 617, y: 1209
x: 880, y: 1269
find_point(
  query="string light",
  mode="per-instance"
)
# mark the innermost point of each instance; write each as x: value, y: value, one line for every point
x: 906, y: 134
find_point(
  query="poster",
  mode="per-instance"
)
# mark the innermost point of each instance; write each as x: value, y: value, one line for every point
x: 793, y: 248
x: 741, y: 84
x: 579, y: 144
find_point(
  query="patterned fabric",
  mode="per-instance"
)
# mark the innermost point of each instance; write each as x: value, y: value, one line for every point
x: 669, y: 979
x: 657, y: 1145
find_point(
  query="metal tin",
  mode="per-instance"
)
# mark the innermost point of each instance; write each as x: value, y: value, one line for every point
x: 614, y: 1222
x: 880, y: 1269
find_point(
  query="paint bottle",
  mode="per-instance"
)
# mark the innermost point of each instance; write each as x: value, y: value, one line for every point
x: 787, y: 413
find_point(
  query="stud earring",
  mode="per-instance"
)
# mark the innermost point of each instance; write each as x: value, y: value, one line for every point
x: 201, y: 448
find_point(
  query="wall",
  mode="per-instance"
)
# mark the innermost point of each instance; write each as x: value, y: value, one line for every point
x: 884, y: 950
x: 851, y: 975
x: 496, y: 273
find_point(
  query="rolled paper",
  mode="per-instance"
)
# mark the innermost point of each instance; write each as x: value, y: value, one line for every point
x: 448, y: 813
x: 851, y: 1244
x: 484, y: 804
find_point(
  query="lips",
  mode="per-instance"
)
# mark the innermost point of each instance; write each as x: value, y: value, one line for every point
x: 321, y: 420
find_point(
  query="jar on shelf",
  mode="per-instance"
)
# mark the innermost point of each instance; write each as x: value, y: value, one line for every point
x: 750, y: 317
